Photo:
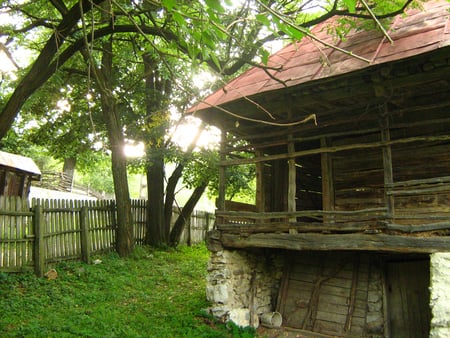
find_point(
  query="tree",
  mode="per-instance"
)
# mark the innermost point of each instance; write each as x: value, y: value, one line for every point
x: 224, y: 37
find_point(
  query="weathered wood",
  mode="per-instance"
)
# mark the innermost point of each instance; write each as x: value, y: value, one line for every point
x: 388, y: 174
x: 279, y: 141
x: 411, y: 228
x: 421, y: 191
x: 85, y: 238
x: 364, y: 242
x: 260, y: 200
x: 222, y: 173
x: 328, y: 197
x: 434, y: 180
x: 303, y: 227
x: 352, y: 298
x: 292, y: 181
x: 39, y: 241
x: 305, y: 213
x: 336, y: 149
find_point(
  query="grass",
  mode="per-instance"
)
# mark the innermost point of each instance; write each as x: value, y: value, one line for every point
x: 152, y: 293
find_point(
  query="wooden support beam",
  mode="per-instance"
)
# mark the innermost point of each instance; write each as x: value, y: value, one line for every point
x: 387, y: 166
x: 260, y: 200
x: 328, y: 197
x: 292, y: 181
x: 222, y: 172
x: 314, y: 241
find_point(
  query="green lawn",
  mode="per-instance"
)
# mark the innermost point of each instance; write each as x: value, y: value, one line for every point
x: 153, y: 293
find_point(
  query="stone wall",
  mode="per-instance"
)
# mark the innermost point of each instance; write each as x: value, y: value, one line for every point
x: 242, y: 285
x: 440, y: 295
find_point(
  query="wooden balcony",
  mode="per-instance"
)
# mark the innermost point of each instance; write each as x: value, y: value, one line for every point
x: 418, y: 222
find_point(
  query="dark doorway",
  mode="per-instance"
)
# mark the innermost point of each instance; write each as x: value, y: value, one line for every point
x: 408, y: 298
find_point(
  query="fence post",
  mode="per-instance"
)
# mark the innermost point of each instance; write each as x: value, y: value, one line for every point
x: 85, y: 238
x: 39, y: 241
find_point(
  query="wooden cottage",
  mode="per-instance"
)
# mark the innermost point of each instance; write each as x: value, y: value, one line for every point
x: 16, y: 174
x: 350, y: 227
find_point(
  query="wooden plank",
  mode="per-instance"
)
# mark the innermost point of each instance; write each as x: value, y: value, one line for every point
x: 328, y: 196
x: 260, y: 200
x: 85, y: 236
x: 39, y: 241
x: 335, y: 149
x: 408, y: 298
x: 292, y: 180
x: 222, y: 172
x: 282, y: 214
x: 313, y: 241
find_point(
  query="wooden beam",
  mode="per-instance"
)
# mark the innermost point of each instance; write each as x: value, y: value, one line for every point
x: 440, y: 138
x: 222, y: 172
x: 292, y: 180
x: 260, y: 199
x: 387, y: 166
x: 306, y: 213
x: 328, y: 197
x: 364, y: 242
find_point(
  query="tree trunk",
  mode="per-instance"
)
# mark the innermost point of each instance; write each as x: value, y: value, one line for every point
x: 124, y: 232
x: 170, y: 194
x: 68, y: 173
x: 157, y: 91
x: 156, y: 234
x: 185, y: 214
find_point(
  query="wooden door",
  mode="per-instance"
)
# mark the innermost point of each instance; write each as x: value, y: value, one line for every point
x: 408, y: 298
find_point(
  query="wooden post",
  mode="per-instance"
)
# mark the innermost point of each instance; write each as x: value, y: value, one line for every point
x: 260, y: 200
x: 222, y: 172
x: 292, y: 181
x: 85, y: 236
x: 328, y: 201
x: 39, y: 241
x: 387, y: 167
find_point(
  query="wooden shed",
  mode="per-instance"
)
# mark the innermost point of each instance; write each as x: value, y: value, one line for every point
x: 16, y: 174
x: 352, y: 157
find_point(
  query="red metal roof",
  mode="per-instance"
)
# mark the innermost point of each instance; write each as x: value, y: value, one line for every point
x: 21, y: 163
x: 417, y: 32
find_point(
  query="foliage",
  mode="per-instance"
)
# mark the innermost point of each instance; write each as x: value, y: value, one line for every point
x: 149, y: 49
x: 152, y: 293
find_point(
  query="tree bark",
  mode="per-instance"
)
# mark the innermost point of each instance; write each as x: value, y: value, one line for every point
x: 68, y: 172
x: 185, y: 214
x: 124, y: 231
x: 157, y: 234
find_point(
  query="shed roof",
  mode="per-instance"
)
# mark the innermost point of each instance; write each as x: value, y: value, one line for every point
x: 18, y: 162
x: 417, y: 32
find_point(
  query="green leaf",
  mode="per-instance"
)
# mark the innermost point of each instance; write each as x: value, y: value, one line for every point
x: 264, y: 54
x: 179, y: 19
x: 216, y: 5
x: 263, y: 19
x: 215, y: 60
x: 169, y: 4
x: 293, y: 32
x: 351, y: 4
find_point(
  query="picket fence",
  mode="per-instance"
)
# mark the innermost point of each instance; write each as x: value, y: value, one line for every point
x: 41, y: 232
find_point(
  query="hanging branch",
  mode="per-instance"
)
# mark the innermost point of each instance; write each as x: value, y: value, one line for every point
x: 308, y: 34
x: 372, y: 14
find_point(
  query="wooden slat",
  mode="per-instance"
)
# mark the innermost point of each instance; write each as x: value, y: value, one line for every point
x: 314, y: 241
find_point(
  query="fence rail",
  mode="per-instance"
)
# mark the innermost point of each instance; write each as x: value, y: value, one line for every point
x: 40, y: 232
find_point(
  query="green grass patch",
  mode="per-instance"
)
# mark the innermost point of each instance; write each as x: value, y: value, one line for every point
x: 152, y: 293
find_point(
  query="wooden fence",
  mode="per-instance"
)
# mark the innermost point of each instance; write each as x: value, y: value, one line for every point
x: 46, y: 231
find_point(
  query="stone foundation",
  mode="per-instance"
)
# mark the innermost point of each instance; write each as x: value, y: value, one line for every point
x: 242, y: 285
x: 440, y: 295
